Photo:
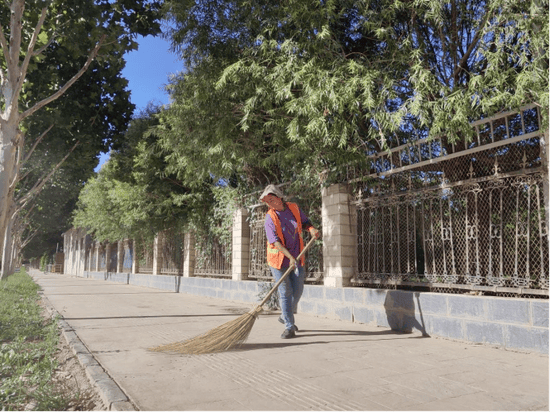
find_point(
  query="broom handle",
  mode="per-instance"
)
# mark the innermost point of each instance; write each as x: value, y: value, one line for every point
x: 290, y: 269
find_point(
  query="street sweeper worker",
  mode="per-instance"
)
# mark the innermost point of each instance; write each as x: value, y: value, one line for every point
x: 284, y: 223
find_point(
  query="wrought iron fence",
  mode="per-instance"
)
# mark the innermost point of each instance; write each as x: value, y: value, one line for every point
x: 144, y: 255
x: 212, y: 258
x: 468, y: 215
x: 102, y: 257
x: 172, y: 252
x: 127, y: 256
x: 91, y: 257
x: 113, y: 257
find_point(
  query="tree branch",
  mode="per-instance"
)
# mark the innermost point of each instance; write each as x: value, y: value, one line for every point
x: 5, y: 48
x: 36, y: 144
x: 30, y: 48
x: 40, y: 184
x: 65, y: 87
x: 17, y: 7
x: 471, y: 47
x: 29, y: 238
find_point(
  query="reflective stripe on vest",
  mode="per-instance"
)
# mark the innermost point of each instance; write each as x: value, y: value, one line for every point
x: 274, y: 257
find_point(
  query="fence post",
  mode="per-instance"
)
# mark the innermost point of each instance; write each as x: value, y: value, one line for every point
x: 189, y: 255
x: 135, y: 258
x: 120, y: 256
x: 89, y: 248
x: 339, y: 235
x: 97, y: 251
x: 545, y: 147
x: 81, y: 254
x: 240, y: 255
x: 157, y: 253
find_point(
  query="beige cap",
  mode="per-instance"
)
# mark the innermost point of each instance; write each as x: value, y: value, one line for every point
x: 272, y: 189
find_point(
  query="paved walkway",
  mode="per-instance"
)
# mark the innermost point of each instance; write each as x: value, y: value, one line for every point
x: 331, y: 365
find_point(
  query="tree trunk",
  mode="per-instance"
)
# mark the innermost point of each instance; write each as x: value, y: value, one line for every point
x: 7, y: 173
x: 7, y: 262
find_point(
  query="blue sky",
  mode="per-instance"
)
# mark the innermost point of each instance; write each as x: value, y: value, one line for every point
x: 147, y: 70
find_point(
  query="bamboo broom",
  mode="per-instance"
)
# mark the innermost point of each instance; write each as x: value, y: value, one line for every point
x: 229, y: 335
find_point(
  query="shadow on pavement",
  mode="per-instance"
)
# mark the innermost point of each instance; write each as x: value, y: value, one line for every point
x: 326, y: 333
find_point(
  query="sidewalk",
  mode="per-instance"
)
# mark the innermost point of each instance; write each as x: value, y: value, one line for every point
x: 331, y: 365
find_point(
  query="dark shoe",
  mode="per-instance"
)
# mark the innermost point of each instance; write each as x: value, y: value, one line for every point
x: 287, y: 334
x: 294, y: 328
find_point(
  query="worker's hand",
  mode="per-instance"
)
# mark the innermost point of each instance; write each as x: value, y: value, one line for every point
x: 314, y: 233
x: 293, y: 262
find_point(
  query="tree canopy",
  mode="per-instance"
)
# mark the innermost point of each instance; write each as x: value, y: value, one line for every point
x: 62, y: 91
x: 298, y: 91
x: 320, y: 84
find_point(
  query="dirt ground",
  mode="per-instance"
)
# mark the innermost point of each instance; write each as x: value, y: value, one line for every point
x: 70, y: 378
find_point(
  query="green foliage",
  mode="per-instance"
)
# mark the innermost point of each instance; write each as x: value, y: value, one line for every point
x: 299, y: 91
x: 95, y: 111
x: 215, y: 224
x: 134, y: 196
x: 45, y: 260
x: 27, y: 347
x: 309, y: 87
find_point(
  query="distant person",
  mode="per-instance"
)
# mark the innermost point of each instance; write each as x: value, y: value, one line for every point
x: 284, y: 223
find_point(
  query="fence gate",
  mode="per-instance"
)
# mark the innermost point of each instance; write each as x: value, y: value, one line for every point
x: 459, y: 216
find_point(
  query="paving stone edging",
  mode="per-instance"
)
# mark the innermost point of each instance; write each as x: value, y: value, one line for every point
x: 112, y: 395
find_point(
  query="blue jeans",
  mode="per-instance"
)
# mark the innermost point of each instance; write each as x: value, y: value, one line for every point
x: 290, y: 292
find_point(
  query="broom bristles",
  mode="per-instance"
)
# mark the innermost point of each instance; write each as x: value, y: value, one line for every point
x: 227, y: 336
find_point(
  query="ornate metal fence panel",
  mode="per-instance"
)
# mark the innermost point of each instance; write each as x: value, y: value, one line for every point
x: 113, y: 257
x: 92, y: 258
x: 459, y: 216
x: 127, y: 256
x: 144, y: 255
x: 212, y: 258
x: 102, y: 256
x: 172, y: 252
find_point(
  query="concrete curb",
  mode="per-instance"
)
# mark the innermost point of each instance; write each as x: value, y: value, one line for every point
x: 112, y: 395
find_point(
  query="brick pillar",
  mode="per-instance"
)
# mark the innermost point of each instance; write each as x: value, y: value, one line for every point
x: 545, y: 161
x: 89, y: 247
x: 81, y: 255
x: 157, y: 253
x: 339, y: 235
x: 120, y: 256
x: 96, y: 251
x: 135, y: 258
x: 189, y: 255
x: 240, y: 255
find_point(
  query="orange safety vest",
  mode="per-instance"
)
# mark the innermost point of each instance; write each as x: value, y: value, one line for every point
x: 274, y: 257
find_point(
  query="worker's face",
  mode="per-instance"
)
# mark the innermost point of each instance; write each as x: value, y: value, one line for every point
x: 274, y: 202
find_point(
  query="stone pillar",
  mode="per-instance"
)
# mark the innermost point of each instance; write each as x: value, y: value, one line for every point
x: 339, y: 235
x: 545, y: 154
x: 240, y: 255
x: 97, y: 251
x: 135, y: 258
x: 157, y: 253
x: 120, y: 256
x: 81, y: 254
x: 189, y: 255
x: 88, y: 245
